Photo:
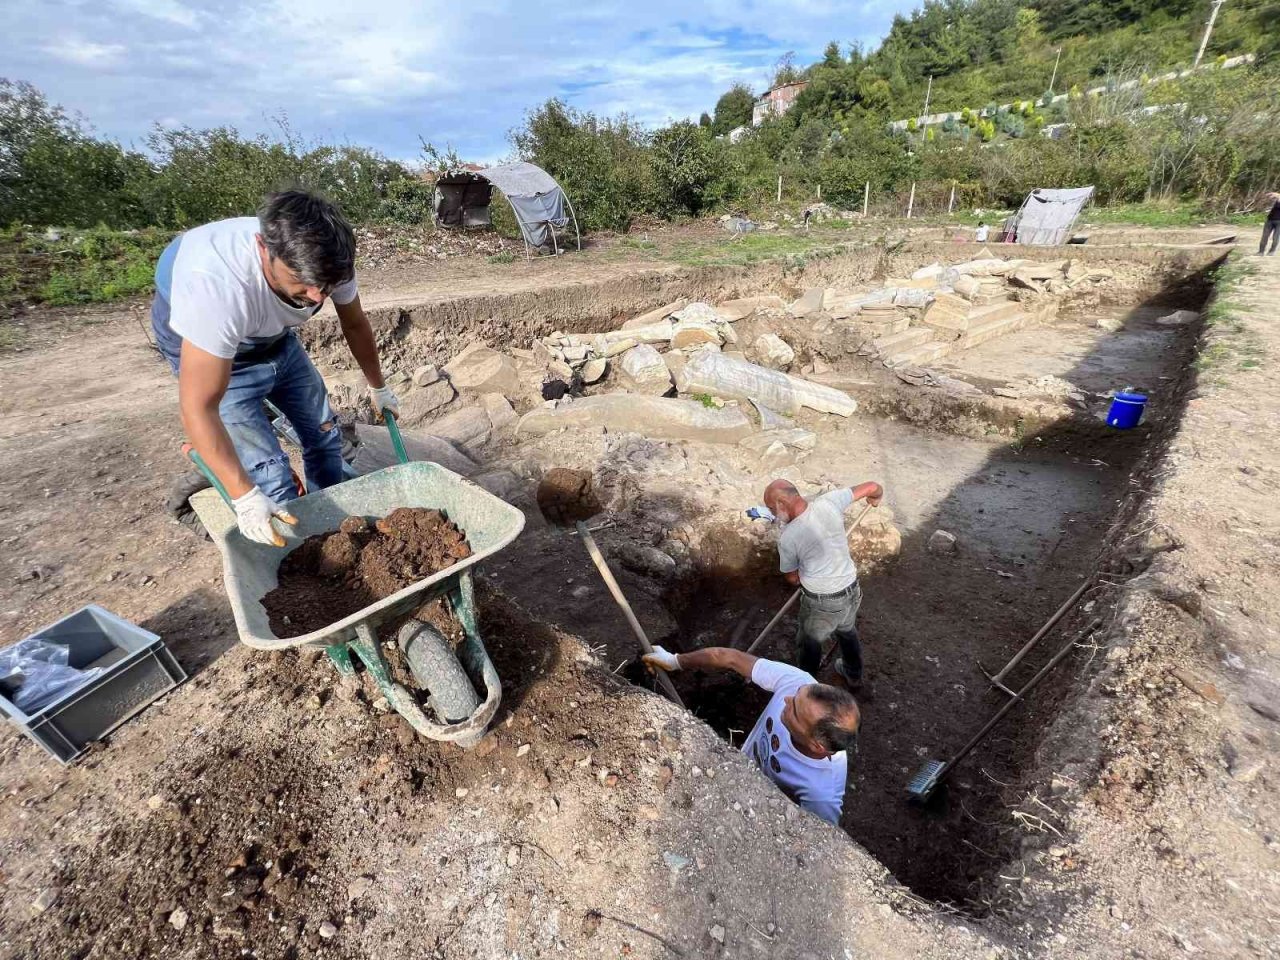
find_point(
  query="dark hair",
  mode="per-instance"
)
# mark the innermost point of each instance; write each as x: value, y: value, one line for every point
x: 833, y: 734
x: 310, y: 236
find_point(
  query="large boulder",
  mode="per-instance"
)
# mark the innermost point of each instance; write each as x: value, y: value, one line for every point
x: 481, y: 369
x: 375, y: 452
x: 661, y: 418
x: 732, y: 310
x: 725, y: 375
x: 642, y: 370
x: 654, y: 316
x: 418, y: 404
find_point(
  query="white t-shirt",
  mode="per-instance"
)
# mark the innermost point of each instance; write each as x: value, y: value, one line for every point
x: 219, y: 298
x: 817, y: 785
x: 981, y: 234
x: 815, y: 544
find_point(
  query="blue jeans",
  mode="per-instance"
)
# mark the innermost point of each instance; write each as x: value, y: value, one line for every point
x: 821, y: 618
x: 283, y: 374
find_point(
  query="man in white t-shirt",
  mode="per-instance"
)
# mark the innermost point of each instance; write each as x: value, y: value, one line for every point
x: 813, y: 554
x: 228, y: 296
x: 802, y: 740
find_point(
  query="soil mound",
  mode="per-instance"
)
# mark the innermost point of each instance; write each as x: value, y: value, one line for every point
x: 332, y: 575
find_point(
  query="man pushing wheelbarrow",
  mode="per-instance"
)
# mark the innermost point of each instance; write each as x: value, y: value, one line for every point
x: 228, y: 295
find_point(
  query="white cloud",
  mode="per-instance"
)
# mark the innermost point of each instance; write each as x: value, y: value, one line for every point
x: 85, y: 53
x: 170, y: 11
x: 386, y: 74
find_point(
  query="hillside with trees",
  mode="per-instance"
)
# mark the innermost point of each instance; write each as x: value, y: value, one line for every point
x: 1207, y: 138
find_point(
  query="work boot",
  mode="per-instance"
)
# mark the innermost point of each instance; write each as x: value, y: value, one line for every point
x: 853, y: 683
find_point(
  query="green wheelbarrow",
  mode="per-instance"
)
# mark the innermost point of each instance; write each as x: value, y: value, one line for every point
x: 449, y: 679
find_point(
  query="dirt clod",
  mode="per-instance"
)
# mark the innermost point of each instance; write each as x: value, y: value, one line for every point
x: 333, y: 575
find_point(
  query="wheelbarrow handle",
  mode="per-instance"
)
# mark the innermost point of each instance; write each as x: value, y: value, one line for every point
x: 396, y: 440
x: 392, y: 427
x: 209, y: 475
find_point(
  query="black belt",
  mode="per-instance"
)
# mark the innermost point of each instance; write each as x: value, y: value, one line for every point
x: 828, y: 596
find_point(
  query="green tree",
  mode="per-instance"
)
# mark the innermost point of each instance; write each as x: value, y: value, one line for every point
x: 733, y: 109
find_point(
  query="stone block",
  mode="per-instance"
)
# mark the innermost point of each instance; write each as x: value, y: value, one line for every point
x: 642, y: 370
x: 481, y: 369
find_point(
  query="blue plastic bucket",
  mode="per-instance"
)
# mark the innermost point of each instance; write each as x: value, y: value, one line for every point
x: 1126, y: 410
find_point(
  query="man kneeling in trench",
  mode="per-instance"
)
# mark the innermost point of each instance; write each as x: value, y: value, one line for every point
x: 813, y: 554
x: 802, y: 740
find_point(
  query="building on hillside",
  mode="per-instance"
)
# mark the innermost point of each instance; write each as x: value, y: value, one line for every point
x: 776, y: 102
x: 737, y: 133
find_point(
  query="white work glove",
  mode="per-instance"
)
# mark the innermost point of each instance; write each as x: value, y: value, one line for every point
x: 254, y: 511
x: 384, y: 398
x: 662, y: 659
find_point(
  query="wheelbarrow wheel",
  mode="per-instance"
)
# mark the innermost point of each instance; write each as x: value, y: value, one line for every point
x: 437, y: 670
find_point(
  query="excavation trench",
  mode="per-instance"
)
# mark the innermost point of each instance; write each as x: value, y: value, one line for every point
x: 1031, y: 484
x: 1034, y: 518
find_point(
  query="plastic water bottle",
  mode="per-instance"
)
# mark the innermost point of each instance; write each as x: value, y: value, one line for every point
x: 760, y: 513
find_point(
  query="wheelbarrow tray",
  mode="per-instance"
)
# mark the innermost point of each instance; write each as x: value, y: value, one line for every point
x: 250, y: 570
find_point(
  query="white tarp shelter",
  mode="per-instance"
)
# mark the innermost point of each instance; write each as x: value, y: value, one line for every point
x: 1047, y: 216
x: 541, y: 207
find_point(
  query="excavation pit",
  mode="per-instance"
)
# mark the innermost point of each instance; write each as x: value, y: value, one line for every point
x: 1028, y: 483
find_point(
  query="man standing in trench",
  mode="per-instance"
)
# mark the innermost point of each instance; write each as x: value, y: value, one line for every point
x: 802, y: 740
x: 813, y: 554
x: 228, y: 295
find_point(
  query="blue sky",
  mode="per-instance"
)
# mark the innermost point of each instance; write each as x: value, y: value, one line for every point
x: 381, y: 75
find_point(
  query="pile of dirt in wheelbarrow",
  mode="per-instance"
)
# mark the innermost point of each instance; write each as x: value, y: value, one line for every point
x: 333, y: 575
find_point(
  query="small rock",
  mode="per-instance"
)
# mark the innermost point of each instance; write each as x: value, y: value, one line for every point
x: 426, y: 375
x: 594, y: 370
x: 382, y: 705
x: 1178, y: 318
x: 460, y: 792
x: 717, y: 933
x: 1108, y: 324
x: 155, y: 801
x: 581, y: 592
x: 328, y: 931
x: 1058, y: 852
x: 47, y: 898
x: 943, y: 542
x: 1246, y: 769
x: 487, y: 745
x: 771, y: 928
x: 675, y: 861
x: 178, y: 919
x: 358, y: 887
x: 522, y: 750
x: 772, y: 351
x: 314, y: 702
x: 353, y: 525
x: 513, y: 856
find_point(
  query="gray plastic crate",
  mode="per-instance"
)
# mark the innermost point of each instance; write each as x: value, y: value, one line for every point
x: 138, y: 670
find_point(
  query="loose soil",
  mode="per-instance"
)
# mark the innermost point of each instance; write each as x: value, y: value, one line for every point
x: 330, y: 576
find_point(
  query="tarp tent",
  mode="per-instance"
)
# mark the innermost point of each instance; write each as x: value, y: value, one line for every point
x: 540, y: 205
x: 1047, y: 216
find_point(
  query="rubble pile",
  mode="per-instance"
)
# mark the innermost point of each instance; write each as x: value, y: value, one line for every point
x: 737, y: 372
